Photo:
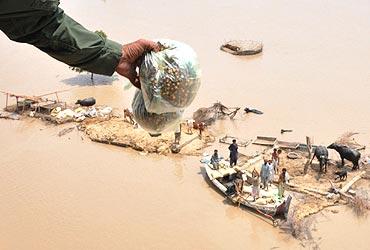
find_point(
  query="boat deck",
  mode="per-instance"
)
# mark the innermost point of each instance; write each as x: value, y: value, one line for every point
x: 268, y: 199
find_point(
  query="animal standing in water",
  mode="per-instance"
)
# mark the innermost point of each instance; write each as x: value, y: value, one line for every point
x: 347, y: 153
x: 321, y: 153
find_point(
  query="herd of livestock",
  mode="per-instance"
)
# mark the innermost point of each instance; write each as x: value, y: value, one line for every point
x: 345, y: 152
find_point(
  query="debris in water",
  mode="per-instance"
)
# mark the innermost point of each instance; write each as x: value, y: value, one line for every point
x: 242, y: 47
x: 213, y: 113
x: 282, y: 131
x: 65, y: 131
x: 255, y: 111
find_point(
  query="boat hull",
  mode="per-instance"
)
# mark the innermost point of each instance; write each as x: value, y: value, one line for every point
x: 278, y: 212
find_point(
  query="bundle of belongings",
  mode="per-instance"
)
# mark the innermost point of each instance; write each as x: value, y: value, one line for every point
x: 170, y: 80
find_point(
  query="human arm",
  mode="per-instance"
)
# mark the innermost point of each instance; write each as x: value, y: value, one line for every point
x: 44, y: 25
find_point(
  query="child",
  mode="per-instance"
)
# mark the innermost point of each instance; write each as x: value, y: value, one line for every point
x: 255, y: 184
x: 283, y: 179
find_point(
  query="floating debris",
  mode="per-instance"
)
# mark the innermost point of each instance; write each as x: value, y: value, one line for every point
x: 282, y: 131
x: 242, y: 47
x: 213, y: 113
x: 65, y: 131
x: 255, y: 111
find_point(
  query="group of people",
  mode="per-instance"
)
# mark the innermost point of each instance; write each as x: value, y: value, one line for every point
x: 191, y: 124
x: 269, y: 169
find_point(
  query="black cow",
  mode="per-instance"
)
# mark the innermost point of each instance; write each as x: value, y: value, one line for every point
x: 87, y: 102
x: 347, y: 153
x: 321, y: 154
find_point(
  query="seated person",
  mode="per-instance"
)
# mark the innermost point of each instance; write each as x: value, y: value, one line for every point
x: 239, y: 183
x: 215, y: 160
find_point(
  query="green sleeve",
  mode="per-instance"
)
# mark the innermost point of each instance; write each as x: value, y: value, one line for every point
x: 43, y: 24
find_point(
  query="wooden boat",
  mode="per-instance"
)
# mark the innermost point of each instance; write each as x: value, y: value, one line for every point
x: 287, y: 145
x: 229, y: 139
x: 265, y: 141
x: 269, y: 205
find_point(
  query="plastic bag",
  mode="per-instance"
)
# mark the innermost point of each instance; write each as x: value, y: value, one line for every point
x: 152, y: 122
x: 170, y: 78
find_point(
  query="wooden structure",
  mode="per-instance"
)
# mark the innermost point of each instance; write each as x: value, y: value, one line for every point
x: 36, y: 103
x: 287, y: 145
x: 229, y: 139
x: 265, y: 141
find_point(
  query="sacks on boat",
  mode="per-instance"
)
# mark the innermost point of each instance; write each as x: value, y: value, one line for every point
x: 261, y: 201
x: 170, y: 78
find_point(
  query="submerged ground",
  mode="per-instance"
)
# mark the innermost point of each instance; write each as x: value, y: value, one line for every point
x: 64, y: 193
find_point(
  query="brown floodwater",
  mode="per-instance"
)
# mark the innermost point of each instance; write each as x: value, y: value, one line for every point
x: 67, y: 193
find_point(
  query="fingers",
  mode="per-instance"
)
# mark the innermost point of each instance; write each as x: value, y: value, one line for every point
x: 137, y: 83
x: 134, y: 78
x: 132, y: 57
x: 148, y: 45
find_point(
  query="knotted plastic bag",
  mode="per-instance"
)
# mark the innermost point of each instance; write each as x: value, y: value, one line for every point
x: 152, y: 122
x: 170, y: 78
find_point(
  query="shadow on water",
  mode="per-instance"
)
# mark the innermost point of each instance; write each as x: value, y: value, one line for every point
x: 85, y: 80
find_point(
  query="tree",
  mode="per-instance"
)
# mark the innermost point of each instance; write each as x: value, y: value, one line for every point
x: 79, y: 70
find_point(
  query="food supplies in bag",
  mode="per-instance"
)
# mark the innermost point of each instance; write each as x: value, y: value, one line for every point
x: 170, y: 78
x: 152, y: 122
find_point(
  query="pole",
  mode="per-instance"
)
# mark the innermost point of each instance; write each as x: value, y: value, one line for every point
x: 309, y: 149
x: 309, y: 146
x: 6, y: 104
x: 17, y: 103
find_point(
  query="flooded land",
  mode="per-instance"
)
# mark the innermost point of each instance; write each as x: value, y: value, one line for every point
x: 70, y: 193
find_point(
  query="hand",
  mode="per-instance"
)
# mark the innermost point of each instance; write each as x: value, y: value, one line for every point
x: 130, y: 60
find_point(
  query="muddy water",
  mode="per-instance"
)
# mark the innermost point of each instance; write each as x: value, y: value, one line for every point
x: 68, y: 193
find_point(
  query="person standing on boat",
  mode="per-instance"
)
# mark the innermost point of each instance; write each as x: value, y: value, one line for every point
x: 276, y: 159
x: 271, y: 172
x: 233, y: 153
x: 265, y: 174
x: 215, y: 160
x: 239, y: 182
x: 283, y: 179
x: 255, y: 184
